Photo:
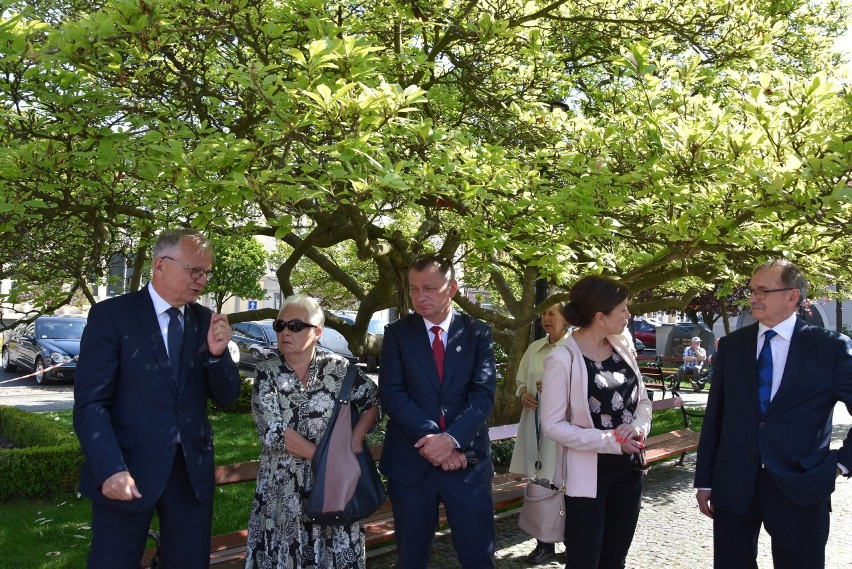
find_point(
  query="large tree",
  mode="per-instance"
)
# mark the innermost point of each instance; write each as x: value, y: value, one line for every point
x: 655, y: 141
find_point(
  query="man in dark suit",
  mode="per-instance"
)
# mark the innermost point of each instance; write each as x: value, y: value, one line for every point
x: 764, y: 455
x: 149, y: 360
x: 437, y: 448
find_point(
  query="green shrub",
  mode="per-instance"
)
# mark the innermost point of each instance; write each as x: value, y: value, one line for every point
x: 501, y: 454
x: 47, y: 464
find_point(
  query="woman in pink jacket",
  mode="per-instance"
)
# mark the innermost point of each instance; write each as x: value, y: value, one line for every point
x: 595, y: 406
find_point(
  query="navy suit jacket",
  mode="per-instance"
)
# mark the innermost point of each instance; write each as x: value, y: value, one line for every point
x: 413, y: 397
x: 792, y: 439
x: 128, y: 410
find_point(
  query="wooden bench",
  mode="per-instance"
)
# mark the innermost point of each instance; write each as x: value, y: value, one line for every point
x: 654, y: 380
x: 229, y: 550
x: 651, y: 368
x: 666, y: 445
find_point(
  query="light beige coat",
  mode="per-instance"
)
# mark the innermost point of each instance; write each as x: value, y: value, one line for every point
x: 525, y: 453
x: 565, y: 416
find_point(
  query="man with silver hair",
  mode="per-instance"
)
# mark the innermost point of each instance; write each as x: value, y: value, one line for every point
x: 149, y: 361
x: 764, y: 456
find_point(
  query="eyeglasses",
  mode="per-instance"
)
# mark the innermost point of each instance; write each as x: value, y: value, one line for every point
x: 760, y: 293
x: 292, y: 325
x: 195, y: 273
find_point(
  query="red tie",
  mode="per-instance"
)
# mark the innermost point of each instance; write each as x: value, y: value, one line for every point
x: 438, y: 351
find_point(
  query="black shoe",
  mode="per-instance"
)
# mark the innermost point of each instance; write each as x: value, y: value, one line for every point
x: 541, y: 553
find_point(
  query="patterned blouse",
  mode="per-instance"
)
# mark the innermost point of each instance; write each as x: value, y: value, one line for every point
x: 613, y: 392
x: 279, y: 536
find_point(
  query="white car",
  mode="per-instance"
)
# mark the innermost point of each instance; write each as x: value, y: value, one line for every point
x: 332, y: 340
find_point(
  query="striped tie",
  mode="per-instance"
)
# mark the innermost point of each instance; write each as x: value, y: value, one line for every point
x: 764, y: 372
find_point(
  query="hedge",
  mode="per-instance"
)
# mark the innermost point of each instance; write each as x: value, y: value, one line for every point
x: 47, y: 464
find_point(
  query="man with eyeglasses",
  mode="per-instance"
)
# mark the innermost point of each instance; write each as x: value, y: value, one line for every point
x: 764, y: 455
x: 149, y: 360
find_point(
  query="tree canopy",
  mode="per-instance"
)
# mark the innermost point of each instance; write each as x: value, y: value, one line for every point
x: 655, y: 141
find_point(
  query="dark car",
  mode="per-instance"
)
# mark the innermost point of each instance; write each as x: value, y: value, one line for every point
x: 48, y: 346
x: 256, y: 340
x: 646, y: 332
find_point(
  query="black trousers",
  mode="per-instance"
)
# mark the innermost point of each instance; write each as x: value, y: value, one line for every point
x: 599, y: 530
x: 798, y: 534
x: 119, y: 535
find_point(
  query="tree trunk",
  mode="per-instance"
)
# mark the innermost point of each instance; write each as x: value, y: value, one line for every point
x: 725, y: 319
x: 507, y: 407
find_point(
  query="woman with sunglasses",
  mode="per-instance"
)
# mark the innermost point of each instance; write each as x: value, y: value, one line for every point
x: 292, y: 402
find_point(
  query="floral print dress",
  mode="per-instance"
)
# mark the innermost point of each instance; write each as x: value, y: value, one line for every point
x: 279, y: 535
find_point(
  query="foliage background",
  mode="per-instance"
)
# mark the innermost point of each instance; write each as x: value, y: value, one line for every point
x: 672, y: 145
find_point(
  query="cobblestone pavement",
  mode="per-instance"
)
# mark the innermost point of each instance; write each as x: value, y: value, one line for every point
x: 671, y: 531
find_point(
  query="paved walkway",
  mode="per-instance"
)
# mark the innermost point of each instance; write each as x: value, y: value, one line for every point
x: 671, y: 532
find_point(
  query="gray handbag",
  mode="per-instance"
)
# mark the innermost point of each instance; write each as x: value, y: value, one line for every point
x: 543, y: 513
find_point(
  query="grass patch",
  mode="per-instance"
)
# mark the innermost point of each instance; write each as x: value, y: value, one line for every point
x: 55, y: 533
x: 669, y: 420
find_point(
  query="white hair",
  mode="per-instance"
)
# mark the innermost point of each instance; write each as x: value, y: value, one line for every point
x: 316, y: 316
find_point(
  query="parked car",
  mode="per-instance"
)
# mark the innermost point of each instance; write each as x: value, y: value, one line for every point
x: 46, y: 342
x: 256, y: 341
x: 333, y: 340
x: 646, y: 331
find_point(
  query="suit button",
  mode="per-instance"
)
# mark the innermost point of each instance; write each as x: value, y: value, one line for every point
x: 761, y: 424
x: 173, y: 447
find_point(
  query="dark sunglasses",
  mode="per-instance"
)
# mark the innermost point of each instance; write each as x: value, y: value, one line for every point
x: 292, y: 325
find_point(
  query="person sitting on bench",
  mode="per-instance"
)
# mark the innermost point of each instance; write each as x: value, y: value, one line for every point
x: 693, y: 360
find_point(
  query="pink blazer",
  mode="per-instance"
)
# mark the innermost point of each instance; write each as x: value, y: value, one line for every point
x: 566, y: 419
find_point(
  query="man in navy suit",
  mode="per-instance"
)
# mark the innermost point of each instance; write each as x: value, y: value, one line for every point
x: 436, y: 448
x: 764, y: 456
x: 149, y: 360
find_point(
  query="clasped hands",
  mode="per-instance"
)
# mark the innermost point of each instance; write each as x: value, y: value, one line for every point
x: 631, y: 439
x: 440, y: 450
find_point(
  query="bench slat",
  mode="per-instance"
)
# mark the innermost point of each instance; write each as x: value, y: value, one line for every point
x: 228, y: 550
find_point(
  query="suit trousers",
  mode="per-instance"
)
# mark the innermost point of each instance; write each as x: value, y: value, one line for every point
x: 470, y: 514
x: 599, y: 530
x: 798, y: 534
x: 119, y: 535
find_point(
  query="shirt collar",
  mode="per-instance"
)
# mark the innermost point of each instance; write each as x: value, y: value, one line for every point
x: 445, y: 324
x: 161, y: 305
x: 783, y: 329
x: 546, y: 343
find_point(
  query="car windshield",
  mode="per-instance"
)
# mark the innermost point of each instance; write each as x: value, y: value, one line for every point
x: 377, y: 327
x: 270, y: 333
x: 60, y: 329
